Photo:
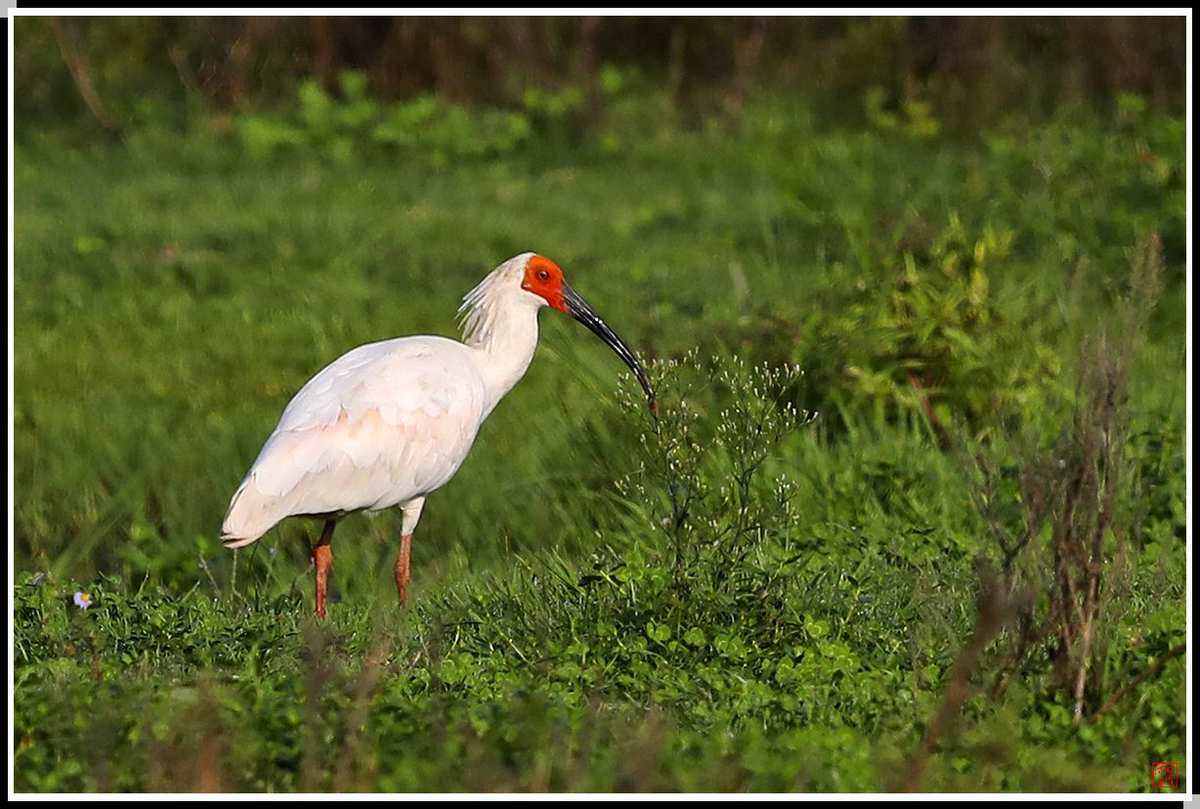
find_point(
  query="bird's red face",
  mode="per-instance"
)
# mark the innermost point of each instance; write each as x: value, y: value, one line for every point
x: 543, y: 277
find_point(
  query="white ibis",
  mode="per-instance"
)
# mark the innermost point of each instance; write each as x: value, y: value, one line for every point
x: 387, y: 423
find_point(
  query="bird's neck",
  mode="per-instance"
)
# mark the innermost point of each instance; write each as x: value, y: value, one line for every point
x: 505, y: 351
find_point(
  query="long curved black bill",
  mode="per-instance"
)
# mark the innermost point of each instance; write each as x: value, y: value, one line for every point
x: 578, y: 308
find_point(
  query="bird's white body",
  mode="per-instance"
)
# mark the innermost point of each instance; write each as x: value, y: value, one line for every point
x: 387, y: 423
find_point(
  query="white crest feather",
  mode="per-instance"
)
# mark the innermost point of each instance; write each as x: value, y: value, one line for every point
x: 478, y: 312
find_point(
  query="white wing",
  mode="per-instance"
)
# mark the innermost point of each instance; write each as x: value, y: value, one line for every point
x: 382, y: 424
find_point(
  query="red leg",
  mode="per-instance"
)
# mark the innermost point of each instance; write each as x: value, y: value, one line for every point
x: 322, y: 556
x: 402, y: 560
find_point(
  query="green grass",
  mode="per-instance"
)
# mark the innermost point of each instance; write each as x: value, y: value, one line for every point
x: 797, y: 632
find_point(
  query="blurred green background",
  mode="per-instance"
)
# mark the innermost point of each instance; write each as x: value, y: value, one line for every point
x: 976, y: 70
x: 929, y: 216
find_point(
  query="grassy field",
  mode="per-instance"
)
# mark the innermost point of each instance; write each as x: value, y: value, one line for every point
x: 741, y: 597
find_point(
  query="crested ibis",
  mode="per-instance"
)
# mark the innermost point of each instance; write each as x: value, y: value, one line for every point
x: 387, y: 423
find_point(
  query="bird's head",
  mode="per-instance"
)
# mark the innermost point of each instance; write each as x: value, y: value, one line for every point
x: 543, y: 278
x: 542, y: 284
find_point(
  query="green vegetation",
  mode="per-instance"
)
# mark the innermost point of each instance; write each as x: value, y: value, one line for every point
x: 889, y: 361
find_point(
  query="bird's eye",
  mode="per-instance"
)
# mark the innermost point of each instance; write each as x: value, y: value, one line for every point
x: 543, y: 275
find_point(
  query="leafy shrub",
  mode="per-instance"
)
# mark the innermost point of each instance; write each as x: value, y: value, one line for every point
x: 914, y: 118
x: 931, y: 339
x: 341, y: 127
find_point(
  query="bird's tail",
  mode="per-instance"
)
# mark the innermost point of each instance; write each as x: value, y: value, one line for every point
x: 248, y: 517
